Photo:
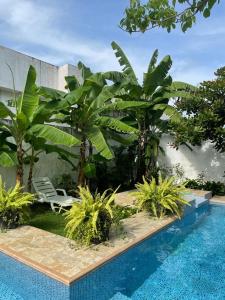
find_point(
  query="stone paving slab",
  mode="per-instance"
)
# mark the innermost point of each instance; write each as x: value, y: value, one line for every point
x: 62, y: 259
x: 219, y: 199
x: 126, y: 198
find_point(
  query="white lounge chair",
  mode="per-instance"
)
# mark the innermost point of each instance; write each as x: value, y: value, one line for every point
x: 48, y: 194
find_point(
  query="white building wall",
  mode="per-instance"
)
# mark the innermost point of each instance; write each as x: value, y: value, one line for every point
x: 204, y: 159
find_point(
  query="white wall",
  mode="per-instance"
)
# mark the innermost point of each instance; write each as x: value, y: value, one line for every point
x: 202, y: 159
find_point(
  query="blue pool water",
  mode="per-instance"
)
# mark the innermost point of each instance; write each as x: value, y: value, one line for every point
x: 184, y: 261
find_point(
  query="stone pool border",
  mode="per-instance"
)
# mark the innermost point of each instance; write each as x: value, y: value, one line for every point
x: 119, y: 249
x: 70, y: 280
x: 123, y: 249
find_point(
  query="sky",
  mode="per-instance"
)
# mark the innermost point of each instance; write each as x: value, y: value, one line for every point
x: 61, y: 32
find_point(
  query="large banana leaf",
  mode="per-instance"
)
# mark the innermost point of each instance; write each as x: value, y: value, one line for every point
x: 114, y: 76
x: 53, y: 135
x: 170, y: 111
x: 115, y: 124
x: 156, y: 78
x: 5, y: 111
x: 123, y: 105
x: 7, y: 158
x: 85, y: 71
x: 50, y: 93
x: 153, y: 61
x: 124, y: 62
x: 97, y: 139
x: 29, y: 100
x: 72, y: 83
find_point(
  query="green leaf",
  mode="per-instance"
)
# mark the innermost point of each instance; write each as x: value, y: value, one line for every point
x: 115, y: 124
x: 50, y: 93
x: 5, y: 111
x: 72, y: 83
x: 123, y: 105
x: 8, y: 158
x: 206, y: 13
x: 90, y: 170
x: 156, y: 78
x: 53, y: 135
x: 123, y: 61
x: 97, y: 139
x: 30, y: 99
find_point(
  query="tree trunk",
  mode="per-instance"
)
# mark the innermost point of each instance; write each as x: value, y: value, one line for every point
x: 29, y: 181
x: 81, y: 175
x: 19, y: 171
x: 141, y: 167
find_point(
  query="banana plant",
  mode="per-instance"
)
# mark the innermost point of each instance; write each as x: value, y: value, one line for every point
x: 91, y: 113
x: 19, y: 125
x: 156, y: 89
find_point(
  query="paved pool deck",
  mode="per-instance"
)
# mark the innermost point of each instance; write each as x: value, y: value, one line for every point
x: 62, y: 259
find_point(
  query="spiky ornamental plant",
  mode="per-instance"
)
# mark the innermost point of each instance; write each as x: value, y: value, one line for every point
x: 90, y: 220
x: 160, y: 199
x: 12, y: 204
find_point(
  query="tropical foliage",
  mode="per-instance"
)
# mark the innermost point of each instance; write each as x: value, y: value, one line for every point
x: 140, y: 16
x: 204, y: 114
x: 160, y: 199
x: 25, y: 123
x: 91, y: 104
x: 156, y: 90
x: 12, y: 205
x: 90, y: 220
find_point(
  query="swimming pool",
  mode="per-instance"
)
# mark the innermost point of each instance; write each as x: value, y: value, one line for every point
x: 184, y: 261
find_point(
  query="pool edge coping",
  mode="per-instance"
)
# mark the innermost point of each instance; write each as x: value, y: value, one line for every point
x: 70, y: 280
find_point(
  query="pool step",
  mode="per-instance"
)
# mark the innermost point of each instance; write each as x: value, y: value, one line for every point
x: 119, y: 296
x: 199, y: 201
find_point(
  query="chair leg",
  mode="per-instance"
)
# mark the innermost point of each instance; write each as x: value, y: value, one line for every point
x: 52, y: 207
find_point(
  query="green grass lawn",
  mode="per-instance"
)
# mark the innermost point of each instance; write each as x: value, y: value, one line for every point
x: 42, y: 217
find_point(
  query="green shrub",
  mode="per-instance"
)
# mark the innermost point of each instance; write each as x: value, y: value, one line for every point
x: 217, y: 188
x: 162, y: 199
x: 12, y: 205
x: 90, y: 220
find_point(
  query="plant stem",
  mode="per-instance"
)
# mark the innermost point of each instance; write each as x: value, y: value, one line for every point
x: 82, y: 160
x: 19, y: 171
x: 29, y: 181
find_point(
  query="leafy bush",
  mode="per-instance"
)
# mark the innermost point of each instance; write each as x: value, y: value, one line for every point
x: 120, y: 213
x: 119, y: 172
x: 217, y: 188
x: 159, y: 200
x: 12, y: 205
x: 90, y: 220
x: 66, y: 182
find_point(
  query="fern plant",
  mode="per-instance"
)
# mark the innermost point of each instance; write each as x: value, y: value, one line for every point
x: 90, y: 220
x: 162, y: 198
x: 12, y: 205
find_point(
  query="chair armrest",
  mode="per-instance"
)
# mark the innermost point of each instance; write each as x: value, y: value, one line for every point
x: 62, y: 190
x: 41, y: 197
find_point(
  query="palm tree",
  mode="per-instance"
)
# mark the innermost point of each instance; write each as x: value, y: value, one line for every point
x: 156, y: 89
x: 27, y: 123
